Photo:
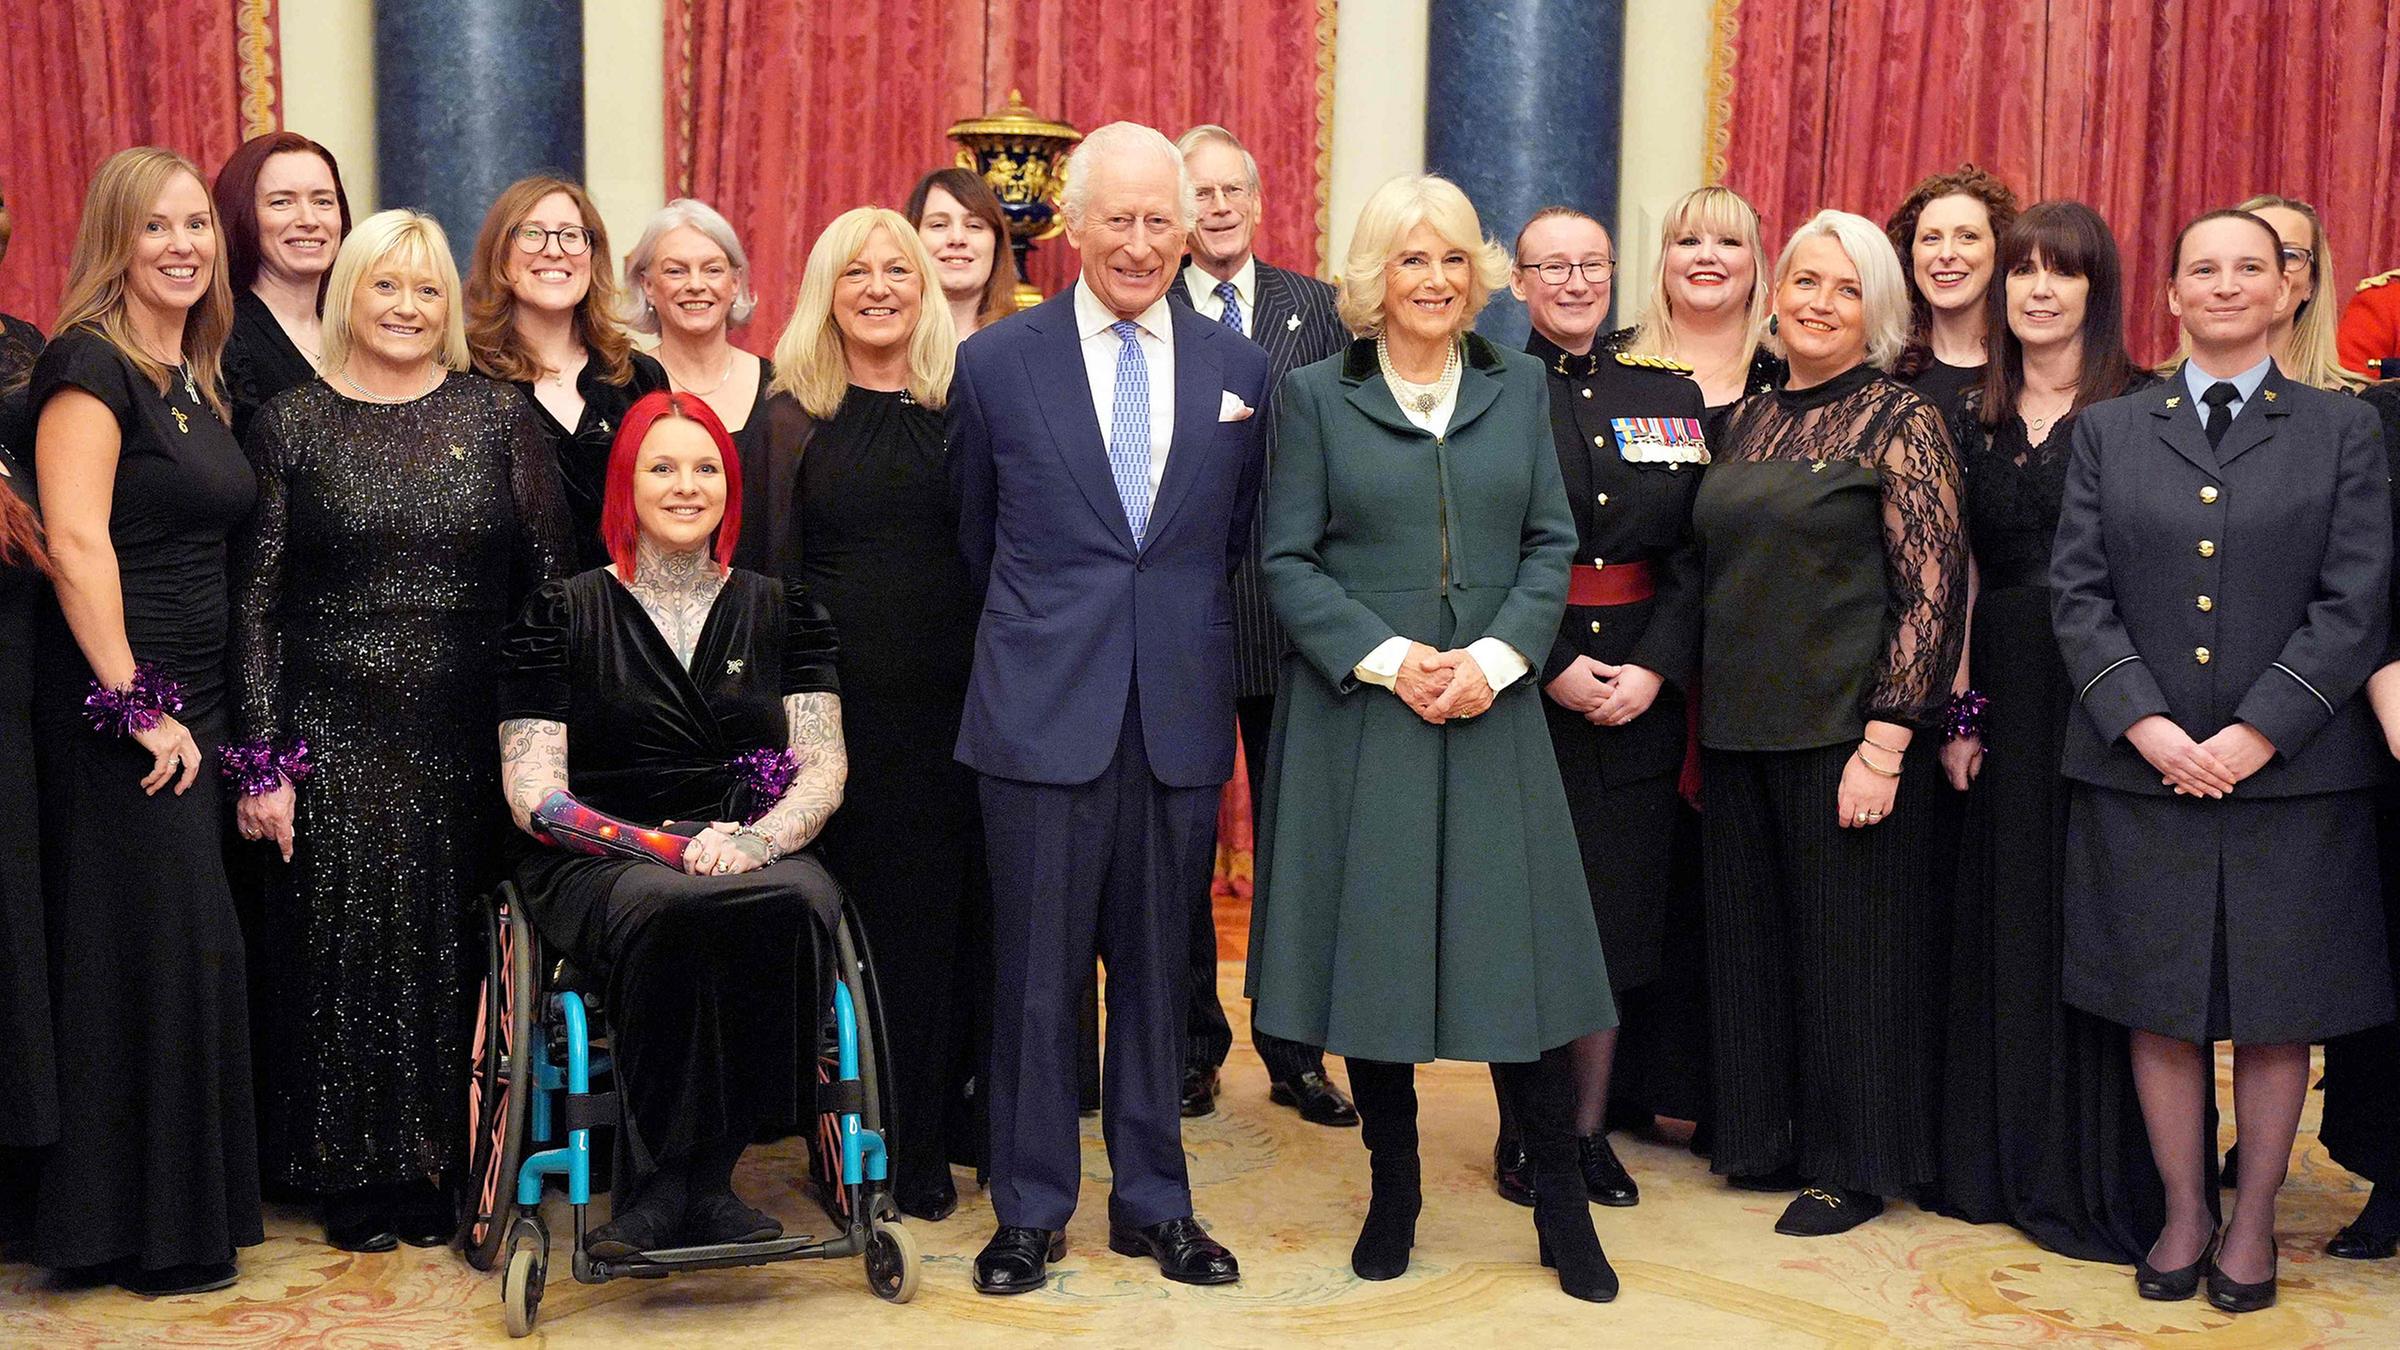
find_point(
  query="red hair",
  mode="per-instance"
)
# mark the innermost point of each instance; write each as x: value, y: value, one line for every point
x: 618, y: 525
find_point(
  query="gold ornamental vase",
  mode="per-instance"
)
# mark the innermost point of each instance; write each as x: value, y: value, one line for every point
x: 1023, y: 156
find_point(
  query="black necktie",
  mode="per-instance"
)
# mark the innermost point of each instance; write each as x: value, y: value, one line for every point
x: 2219, y: 398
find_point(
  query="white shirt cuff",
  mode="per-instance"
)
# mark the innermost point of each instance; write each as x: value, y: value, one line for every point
x: 1502, y: 666
x: 1382, y: 666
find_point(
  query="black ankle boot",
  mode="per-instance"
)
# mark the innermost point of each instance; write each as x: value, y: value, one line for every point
x: 1542, y: 1094
x: 1386, y: 1096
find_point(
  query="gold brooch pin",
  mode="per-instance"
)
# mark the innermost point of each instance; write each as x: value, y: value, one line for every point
x: 734, y: 666
x: 1818, y: 467
x: 2269, y: 395
x: 2175, y: 402
x: 458, y: 452
x: 182, y: 424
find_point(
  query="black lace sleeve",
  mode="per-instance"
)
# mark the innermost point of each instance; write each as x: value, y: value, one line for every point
x: 258, y: 584
x: 1924, y: 561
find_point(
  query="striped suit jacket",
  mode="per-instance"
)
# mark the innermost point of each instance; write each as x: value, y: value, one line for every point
x: 1296, y: 324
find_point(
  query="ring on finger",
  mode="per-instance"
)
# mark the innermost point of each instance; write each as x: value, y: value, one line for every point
x: 1860, y: 818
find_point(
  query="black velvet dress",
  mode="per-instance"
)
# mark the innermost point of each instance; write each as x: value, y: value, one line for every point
x: 2039, y: 1126
x: 711, y: 982
x: 156, y: 1160
x: 260, y: 361
x: 582, y: 450
x: 392, y: 544
x: 876, y: 541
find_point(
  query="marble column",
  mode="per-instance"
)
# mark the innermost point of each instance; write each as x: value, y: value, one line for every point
x: 1523, y: 104
x: 472, y: 95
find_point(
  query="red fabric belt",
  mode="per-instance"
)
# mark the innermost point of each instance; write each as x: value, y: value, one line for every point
x: 1615, y: 584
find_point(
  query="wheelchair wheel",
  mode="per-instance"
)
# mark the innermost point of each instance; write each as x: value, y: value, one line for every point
x: 528, y: 1268
x: 500, y: 1082
x: 892, y: 1263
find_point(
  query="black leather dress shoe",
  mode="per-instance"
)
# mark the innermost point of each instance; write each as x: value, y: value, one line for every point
x: 1017, y: 1260
x: 424, y: 1216
x: 2354, y: 1243
x: 931, y: 1206
x: 2230, y: 1295
x: 2171, y: 1286
x: 1316, y: 1098
x: 1183, y: 1249
x: 1604, y: 1177
x: 1511, y: 1173
x: 359, y: 1221
x: 1199, y: 1092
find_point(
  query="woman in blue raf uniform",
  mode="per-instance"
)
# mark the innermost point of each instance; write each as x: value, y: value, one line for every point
x: 2221, y: 575
x: 1627, y: 432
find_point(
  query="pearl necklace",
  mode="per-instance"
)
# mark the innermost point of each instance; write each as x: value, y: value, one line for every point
x: 1422, y: 398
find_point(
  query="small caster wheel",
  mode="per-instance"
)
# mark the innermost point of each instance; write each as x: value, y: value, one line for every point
x: 892, y: 1263
x: 522, y: 1278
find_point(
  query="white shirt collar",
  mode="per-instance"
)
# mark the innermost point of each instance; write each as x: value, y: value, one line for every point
x: 1199, y: 281
x: 1093, y: 318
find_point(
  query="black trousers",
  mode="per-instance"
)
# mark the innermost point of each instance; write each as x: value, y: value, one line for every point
x: 1821, y: 951
x: 2361, y: 1128
x: 1211, y: 1035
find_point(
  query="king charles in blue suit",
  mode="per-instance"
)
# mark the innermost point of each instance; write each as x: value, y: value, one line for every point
x: 1106, y: 458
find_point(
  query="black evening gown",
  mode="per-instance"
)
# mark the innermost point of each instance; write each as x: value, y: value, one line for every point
x: 582, y: 450
x: 750, y: 439
x: 156, y: 1161
x: 391, y: 545
x: 710, y: 982
x: 1945, y: 386
x: 2040, y: 1127
x: 28, y: 1069
x: 260, y: 361
x: 876, y: 541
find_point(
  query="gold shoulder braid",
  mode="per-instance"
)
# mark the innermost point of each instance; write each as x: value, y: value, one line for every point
x: 2372, y: 282
x: 1643, y: 362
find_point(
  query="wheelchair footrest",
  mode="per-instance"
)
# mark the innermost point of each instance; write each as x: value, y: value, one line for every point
x: 592, y: 1110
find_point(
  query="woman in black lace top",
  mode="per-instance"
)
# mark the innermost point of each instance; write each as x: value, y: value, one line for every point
x: 406, y: 507
x: 1833, y: 571
x: 2039, y: 1125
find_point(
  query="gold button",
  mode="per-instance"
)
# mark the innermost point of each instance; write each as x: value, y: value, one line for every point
x: 1595, y: 625
x: 1604, y: 499
x: 1598, y: 563
x: 1587, y: 393
x: 2208, y: 548
x: 2208, y: 495
x: 2200, y: 654
x: 2206, y: 604
x: 1600, y: 441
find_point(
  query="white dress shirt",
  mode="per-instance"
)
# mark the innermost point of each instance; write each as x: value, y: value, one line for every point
x: 1093, y: 322
x: 1202, y: 286
x: 2245, y: 387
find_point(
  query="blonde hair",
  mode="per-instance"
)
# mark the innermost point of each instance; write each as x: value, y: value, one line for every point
x: 640, y: 314
x: 122, y: 196
x: 809, y: 362
x: 1394, y: 210
x: 406, y: 237
x: 2309, y: 354
x: 1712, y: 210
x: 1882, y: 290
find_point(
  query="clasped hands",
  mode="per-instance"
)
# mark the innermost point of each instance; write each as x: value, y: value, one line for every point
x: 1606, y: 695
x: 1438, y: 686
x: 2207, y: 768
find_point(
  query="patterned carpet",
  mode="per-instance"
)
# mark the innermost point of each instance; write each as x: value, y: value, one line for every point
x: 1701, y: 1268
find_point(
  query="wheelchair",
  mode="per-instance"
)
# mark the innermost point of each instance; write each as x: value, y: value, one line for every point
x: 539, y: 1054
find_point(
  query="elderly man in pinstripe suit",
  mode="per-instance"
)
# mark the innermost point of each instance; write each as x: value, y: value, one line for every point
x: 1292, y: 317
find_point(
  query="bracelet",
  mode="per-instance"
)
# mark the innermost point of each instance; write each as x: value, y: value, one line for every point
x: 1900, y: 750
x: 769, y: 774
x: 138, y: 706
x: 1962, y: 716
x: 1861, y: 757
x: 257, y: 768
x: 753, y: 832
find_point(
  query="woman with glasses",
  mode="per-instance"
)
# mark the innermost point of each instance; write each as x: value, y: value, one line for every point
x: 1626, y: 430
x: 2304, y: 334
x: 542, y: 302
x: 1946, y: 231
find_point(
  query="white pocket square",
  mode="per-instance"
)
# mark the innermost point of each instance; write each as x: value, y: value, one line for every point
x: 1232, y: 409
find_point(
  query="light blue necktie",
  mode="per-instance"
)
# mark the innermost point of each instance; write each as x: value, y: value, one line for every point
x: 1232, y: 317
x: 1129, y: 429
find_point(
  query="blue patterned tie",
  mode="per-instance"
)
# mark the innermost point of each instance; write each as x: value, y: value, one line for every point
x: 1232, y: 317
x: 1129, y: 429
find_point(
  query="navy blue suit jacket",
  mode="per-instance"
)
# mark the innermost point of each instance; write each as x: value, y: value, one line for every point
x: 1073, y: 613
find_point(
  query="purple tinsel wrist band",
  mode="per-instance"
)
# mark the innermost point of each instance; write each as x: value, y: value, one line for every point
x: 1963, y: 715
x: 770, y: 774
x: 258, y: 768
x: 136, y: 707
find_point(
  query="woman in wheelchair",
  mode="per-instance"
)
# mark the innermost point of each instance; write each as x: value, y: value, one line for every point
x: 672, y: 744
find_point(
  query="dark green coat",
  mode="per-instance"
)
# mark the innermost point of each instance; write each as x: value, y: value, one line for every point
x: 1420, y: 895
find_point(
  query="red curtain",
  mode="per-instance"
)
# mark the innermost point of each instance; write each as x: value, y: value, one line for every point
x: 81, y: 81
x: 783, y: 116
x: 2151, y: 110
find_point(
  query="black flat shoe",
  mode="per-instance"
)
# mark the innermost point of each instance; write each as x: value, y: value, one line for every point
x: 630, y: 1234
x: 1183, y: 1249
x: 1784, y: 1178
x: 722, y: 1219
x: 1316, y: 1098
x: 1199, y: 1092
x: 1822, y: 1212
x: 2354, y: 1243
x: 2233, y: 1296
x: 168, y: 1281
x: 2171, y: 1286
x: 1604, y: 1176
x: 359, y: 1221
x: 1511, y: 1173
x: 932, y: 1206
x: 424, y: 1216
x: 1017, y: 1260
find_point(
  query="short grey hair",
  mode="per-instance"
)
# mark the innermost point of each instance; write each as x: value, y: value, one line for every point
x: 1121, y: 138
x: 1209, y: 133
x: 1882, y: 290
x: 639, y: 315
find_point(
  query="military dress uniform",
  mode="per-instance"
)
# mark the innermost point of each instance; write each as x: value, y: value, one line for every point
x: 2368, y: 339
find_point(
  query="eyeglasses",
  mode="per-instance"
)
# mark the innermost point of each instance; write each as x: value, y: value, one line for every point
x: 1554, y: 272
x: 573, y: 240
x: 2296, y: 257
x: 1233, y: 193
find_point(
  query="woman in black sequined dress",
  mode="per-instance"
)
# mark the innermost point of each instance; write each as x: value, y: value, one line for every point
x: 406, y: 508
x: 2039, y: 1124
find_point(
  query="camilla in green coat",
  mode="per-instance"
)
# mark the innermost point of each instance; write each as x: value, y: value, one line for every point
x: 1420, y: 895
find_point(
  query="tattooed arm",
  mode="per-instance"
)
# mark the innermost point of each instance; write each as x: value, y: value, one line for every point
x: 816, y: 731
x: 533, y: 764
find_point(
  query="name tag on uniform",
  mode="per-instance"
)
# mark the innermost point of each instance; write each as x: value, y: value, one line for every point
x: 1660, y: 440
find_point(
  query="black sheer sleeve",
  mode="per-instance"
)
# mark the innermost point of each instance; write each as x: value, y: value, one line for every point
x: 1925, y: 558
x: 535, y: 681
x: 258, y: 584
x: 809, y: 644
x: 543, y: 551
